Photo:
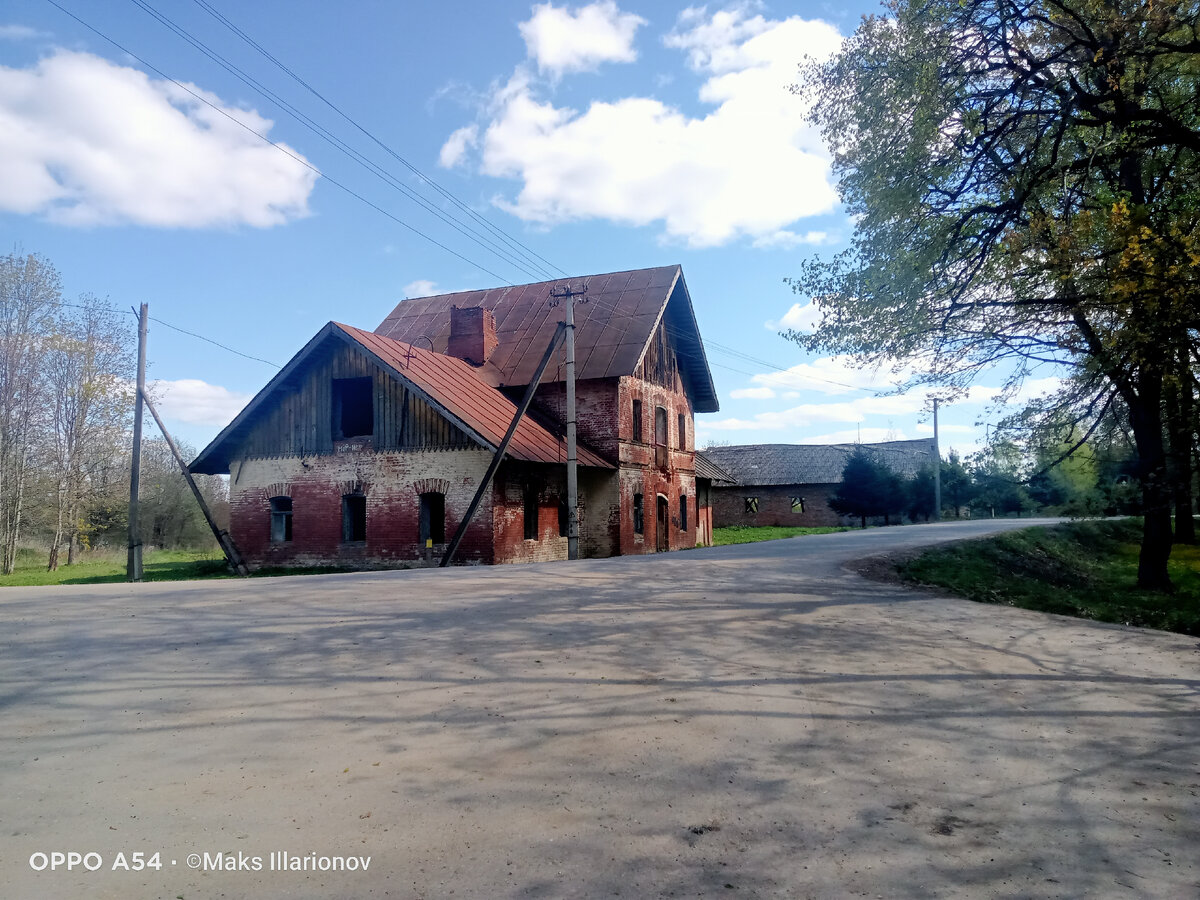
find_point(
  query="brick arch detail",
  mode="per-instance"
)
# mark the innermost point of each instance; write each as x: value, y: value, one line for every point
x: 431, y: 485
x: 278, y: 489
x: 357, y: 486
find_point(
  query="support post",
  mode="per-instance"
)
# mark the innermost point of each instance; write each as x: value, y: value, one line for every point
x: 568, y: 294
x: 486, y: 481
x: 227, y: 546
x: 937, y: 466
x: 133, y: 563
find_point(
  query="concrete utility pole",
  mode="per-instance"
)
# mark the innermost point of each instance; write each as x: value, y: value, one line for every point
x: 133, y: 564
x: 937, y: 466
x: 566, y: 293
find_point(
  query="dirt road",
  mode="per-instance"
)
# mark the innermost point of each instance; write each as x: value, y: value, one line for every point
x: 751, y: 721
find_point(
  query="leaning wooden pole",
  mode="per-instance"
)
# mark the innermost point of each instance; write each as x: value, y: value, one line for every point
x: 503, y: 448
x: 133, y: 563
x: 227, y: 546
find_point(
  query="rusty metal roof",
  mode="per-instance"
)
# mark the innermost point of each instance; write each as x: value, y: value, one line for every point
x: 613, y: 327
x: 449, y: 384
x: 455, y: 389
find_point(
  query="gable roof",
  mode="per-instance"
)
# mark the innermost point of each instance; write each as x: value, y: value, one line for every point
x: 449, y: 385
x: 776, y: 464
x: 614, y: 327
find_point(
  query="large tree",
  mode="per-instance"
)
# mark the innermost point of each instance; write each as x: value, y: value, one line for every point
x: 1024, y: 177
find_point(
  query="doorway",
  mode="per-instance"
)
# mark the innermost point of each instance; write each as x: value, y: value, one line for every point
x: 661, y: 535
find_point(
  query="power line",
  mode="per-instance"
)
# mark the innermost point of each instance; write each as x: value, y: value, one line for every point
x: 277, y: 146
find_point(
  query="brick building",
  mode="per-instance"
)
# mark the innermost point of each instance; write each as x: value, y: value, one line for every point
x: 791, y: 484
x: 367, y: 445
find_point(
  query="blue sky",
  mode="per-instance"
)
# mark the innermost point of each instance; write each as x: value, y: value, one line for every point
x: 601, y: 137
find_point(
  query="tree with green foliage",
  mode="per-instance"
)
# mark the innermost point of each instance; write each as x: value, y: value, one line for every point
x: 1025, y: 177
x: 920, y: 495
x: 867, y: 488
x: 957, y: 486
x: 998, y: 473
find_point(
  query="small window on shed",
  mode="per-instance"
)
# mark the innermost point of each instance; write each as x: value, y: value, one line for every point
x: 683, y: 512
x: 797, y: 505
x: 432, y: 520
x: 281, y: 519
x: 751, y: 505
x: 531, y: 511
x: 639, y: 514
x: 354, y: 518
x: 682, y: 431
x: 353, y: 407
x: 637, y: 420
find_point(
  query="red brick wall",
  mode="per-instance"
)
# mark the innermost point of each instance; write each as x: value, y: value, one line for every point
x: 775, y: 506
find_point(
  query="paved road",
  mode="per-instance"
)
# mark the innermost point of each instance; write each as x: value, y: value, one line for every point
x: 750, y: 721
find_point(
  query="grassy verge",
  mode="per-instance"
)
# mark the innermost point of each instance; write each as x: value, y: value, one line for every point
x: 746, y: 534
x: 1083, y: 569
x: 105, y: 566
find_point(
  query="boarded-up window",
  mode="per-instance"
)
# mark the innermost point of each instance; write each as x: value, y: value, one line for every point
x: 353, y: 407
x: 797, y: 505
x: 637, y: 420
x: 639, y: 514
x: 683, y: 512
x: 354, y: 518
x: 751, y: 505
x: 281, y: 519
x: 531, y: 511
x: 433, y: 517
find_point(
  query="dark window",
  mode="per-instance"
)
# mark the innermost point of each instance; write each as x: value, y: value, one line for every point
x: 281, y: 519
x: 683, y: 512
x: 751, y: 504
x: 433, y: 518
x: 354, y: 518
x: 639, y: 514
x: 682, y: 431
x: 563, y: 521
x: 660, y: 437
x: 637, y: 420
x: 797, y: 504
x: 353, y: 409
x: 531, y: 511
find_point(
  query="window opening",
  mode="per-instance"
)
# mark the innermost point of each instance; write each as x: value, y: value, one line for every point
x: 639, y: 514
x: 354, y: 518
x: 531, y: 511
x: 637, y: 420
x: 751, y: 504
x: 353, y: 407
x: 660, y: 437
x: 797, y: 504
x: 683, y: 512
x: 281, y: 519
x: 433, y: 517
x: 562, y: 518
x: 682, y: 431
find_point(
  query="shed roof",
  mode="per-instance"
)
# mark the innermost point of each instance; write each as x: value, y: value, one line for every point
x: 706, y: 468
x: 614, y: 327
x: 772, y: 464
x: 448, y: 384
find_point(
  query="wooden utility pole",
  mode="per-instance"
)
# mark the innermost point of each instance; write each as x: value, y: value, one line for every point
x: 937, y: 467
x: 566, y: 293
x: 133, y: 564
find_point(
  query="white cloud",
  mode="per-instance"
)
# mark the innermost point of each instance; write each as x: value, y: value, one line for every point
x: 750, y: 167
x: 802, y: 317
x: 829, y: 374
x: 88, y: 142
x: 198, y: 402
x: 560, y: 40
x: 456, y: 146
x: 857, y: 436
x: 420, y: 288
x: 19, y: 33
x: 787, y: 239
x: 758, y: 393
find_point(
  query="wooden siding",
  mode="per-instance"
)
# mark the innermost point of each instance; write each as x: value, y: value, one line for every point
x: 660, y: 364
x: 298, y: 420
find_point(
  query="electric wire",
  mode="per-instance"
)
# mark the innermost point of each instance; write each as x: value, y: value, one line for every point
x: 330, y: 138
x: 282, y: 149
x: 517, y: 246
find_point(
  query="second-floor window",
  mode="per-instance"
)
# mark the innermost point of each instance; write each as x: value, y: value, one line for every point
x: 682, y: 431
x: 637, y: 420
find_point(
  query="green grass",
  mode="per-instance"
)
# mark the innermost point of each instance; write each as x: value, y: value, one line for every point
x: 109, y: 565
x: 1082, y: 569
x: 747, y: 534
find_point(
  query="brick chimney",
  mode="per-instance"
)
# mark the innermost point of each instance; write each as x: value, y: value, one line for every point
x: 472, y: 334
